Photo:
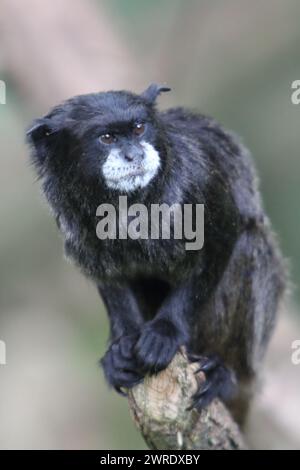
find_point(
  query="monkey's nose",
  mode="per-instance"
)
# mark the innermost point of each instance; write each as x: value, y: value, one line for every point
x: 134, y: 155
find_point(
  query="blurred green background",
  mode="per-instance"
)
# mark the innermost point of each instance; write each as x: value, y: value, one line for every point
x: 234, y: 60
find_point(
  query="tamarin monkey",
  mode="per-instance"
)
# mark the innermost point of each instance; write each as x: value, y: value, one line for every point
x: 220, y: 302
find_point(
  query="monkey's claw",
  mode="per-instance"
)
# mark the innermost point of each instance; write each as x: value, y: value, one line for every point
x: 120, y: 366
x: 220, y: 381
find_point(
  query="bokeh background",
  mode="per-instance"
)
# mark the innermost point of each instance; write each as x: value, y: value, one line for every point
x: 232, y: 59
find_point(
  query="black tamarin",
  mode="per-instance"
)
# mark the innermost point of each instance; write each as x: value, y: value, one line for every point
x: 220, y: 301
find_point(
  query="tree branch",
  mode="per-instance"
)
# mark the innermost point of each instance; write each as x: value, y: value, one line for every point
x: 159, y: 407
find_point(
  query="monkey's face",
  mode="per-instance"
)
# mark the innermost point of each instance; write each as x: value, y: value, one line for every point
x: 112, y: 138
x: 124, y: 144
x: 131, y: 162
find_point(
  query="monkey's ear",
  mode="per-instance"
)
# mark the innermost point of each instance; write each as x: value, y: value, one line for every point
x: 44, y: 136
x: 152, y: 92
x: 39, y: 130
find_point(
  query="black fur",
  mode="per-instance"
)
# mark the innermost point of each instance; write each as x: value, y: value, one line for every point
x: 219, y: 300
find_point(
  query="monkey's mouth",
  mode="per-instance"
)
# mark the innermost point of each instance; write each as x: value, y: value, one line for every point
x: 127, y: 175
x: 130, y: 176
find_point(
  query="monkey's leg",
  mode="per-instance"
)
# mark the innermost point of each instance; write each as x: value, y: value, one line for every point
x: 261, y: 273
x: 119, y: 362
x: 238, y: 321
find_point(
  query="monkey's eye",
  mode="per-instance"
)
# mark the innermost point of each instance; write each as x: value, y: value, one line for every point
x: 139, y: 128
x: 107, y: 138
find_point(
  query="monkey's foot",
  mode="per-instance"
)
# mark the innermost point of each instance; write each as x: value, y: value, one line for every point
x: 157, y: 345
x: 220, y: 381
x: 119, y: 364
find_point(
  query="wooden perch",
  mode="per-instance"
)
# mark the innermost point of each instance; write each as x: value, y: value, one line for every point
x: 159, y: 407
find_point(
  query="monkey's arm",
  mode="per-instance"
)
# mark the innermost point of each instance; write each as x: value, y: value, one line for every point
x: 170, y: 328
x: 119, y: 362
x: 122, y: 308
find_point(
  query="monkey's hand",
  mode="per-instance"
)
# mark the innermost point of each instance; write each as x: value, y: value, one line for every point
x: 220, y: 381
x: 158, y: 343
x: 120, y: 365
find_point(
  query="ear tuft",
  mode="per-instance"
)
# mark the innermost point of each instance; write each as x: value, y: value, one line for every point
x: 152, y: 92
x: 40, y: 129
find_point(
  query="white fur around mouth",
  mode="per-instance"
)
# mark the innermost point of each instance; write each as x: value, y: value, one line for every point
x: 130, y: 177
x: 118, y: 177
